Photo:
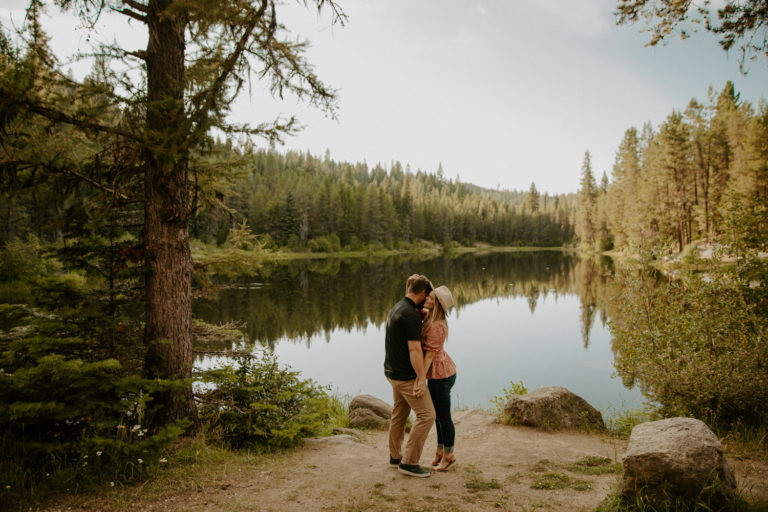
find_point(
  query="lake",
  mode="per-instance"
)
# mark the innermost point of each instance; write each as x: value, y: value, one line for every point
x: 536, y: 317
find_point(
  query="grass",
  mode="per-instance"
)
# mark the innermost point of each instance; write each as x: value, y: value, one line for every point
x: 742, y: 441
x: 594, y: 465
x: 475, y: 483
x: 616, y: 502
x: 193, y: 465
x: 338, y: 406
x: 621, y: 423
x: 555, y: 480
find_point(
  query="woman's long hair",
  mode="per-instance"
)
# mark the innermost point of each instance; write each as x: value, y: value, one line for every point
x: 438, y: 313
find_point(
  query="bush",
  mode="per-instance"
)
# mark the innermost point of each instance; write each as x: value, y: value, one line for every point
x: 258, y: 404
x: 696, y: 347
x: 498, y: 401
x: 325, y: 243
x: 69, y: 418
x: 22, y: 260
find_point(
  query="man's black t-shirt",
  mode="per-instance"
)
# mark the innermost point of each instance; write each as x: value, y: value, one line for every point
x: 403, y: 324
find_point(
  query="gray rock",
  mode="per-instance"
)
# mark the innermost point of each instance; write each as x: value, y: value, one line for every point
x: 366, y: 411
x: 677, y: 459
x: 553, y: 407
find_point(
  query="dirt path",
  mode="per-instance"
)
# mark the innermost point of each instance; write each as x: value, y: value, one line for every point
x: 498, y: 468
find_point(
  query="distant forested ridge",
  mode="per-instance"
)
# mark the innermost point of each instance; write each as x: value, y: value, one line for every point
x: 301, y: 201
x: 701, y: 175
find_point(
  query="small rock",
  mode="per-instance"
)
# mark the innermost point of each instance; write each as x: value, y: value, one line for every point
x: 677, y: 457
x: 366, y: 411
x: 553, y: 407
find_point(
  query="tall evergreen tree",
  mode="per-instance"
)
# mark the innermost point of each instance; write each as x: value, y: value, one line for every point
x: 586, y: 222
x: 197, y: 57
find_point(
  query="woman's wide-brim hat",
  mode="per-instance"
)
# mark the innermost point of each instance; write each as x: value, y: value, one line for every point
x: 445, y: 297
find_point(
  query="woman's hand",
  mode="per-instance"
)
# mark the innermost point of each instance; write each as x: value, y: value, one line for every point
x: 419, y: 387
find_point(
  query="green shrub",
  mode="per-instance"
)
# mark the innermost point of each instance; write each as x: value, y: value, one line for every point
x: 498, y: 401
x: 68, y: 417
x: 621, y: 424
x: 22, y: 260
x: 325, y: 243
x: 258, y: 404
x: 696, y: 347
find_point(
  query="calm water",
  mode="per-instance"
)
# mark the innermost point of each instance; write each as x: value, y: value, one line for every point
x: 532, y: 317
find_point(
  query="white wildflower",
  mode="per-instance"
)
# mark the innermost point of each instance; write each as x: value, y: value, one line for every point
x: 163, y: 460
x: 141, y: 461
x: 136, y: 428
x: 98, y: 453
x: 85, y: 456
x: 111, y: 484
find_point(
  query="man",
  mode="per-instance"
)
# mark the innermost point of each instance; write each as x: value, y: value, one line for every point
x: 404, y: 368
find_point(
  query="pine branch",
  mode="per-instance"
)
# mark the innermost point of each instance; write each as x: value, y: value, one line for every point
x: 205, y: 99
x: 133, y: 4
x: 131, y: 14
x: 96, y: 184
x: 56, y: 115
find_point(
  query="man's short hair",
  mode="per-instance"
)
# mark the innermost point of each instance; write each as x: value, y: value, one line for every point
x: 417, y: 284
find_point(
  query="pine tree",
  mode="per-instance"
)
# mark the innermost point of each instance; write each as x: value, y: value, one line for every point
x: 586, y: 222
x: 196, y: 59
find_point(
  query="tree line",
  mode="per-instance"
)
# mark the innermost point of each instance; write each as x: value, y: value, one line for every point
x: 702, y: 175
x: 301, y: 201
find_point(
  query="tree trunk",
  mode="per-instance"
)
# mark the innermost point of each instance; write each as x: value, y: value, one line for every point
x: 166, y: 236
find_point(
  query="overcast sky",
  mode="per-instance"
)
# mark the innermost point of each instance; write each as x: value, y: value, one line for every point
x: 501, y: 92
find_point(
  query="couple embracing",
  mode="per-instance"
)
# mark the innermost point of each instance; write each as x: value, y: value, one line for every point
x: 422, y: 375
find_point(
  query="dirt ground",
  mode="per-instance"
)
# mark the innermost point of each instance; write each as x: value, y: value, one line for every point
x: 499, y: 467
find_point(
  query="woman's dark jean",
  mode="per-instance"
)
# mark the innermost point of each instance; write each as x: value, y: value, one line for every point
x: 440, y: 391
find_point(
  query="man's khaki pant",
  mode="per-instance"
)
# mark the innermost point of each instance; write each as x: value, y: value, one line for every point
x: 404, y: 401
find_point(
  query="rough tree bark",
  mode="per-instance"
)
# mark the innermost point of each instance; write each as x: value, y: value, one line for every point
x: 167, y: 212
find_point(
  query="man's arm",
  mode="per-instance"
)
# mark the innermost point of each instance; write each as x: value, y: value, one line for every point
x: 417, y: 361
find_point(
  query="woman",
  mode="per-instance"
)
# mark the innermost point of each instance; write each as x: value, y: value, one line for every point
x: 441, y: 372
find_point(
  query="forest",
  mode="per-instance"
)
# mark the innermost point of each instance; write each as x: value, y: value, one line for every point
x: 701, y: 176
x: 302, y: 202
x: 108, y: 183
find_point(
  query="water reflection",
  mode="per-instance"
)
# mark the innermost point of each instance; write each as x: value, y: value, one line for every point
x: 297, y: 300
x: 520, y: 316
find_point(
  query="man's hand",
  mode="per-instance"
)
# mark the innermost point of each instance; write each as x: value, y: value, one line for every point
x: 419, y: 387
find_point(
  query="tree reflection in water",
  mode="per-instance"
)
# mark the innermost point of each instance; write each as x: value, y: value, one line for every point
x: 298, y: 300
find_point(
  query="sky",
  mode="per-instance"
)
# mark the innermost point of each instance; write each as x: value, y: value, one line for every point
x: 501, y: 93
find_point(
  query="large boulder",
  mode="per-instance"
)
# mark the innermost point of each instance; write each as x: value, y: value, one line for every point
x: 553, y: 407
x: 366, y: 411
x: 677, y: 459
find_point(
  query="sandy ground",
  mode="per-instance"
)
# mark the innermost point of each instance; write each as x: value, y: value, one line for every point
x: 497, y: 469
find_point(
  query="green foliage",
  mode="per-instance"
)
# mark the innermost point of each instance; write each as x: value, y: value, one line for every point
x: 23, y: 260
x: 555, y: 480
x: 514, y: 389
x: 702, y: 175
x: 376, y: 207
x: 594, y: 465
x: 325, y: 243
x: 338, y: 411
x: 258, y: 404
x: 70, y: 418
x: 476, y: 483
x: 617, y: 502
x: 621, y: 423
x: 696, y: 346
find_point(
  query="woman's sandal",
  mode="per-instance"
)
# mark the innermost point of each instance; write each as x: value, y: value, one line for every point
x: 438, y: 458
x: 445, y: 464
